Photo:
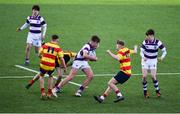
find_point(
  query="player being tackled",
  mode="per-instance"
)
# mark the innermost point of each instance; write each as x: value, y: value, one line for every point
x: 68, y: 57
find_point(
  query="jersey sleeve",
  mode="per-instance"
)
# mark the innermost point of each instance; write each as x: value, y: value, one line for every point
x: 143, y: 45
x: 42, y: 21
x: 131, y: 51
x: 73, y: 54
x: 27, y: 20
x: 60, y: 53
x: 160, y: 45
x: 86, y: 48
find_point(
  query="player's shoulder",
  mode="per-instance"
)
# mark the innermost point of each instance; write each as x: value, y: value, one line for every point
x: 87, y: 46
x: 124, y: 50
x: 29, y: 17
x: 158, y: 41
x: 145, y: 42
x: 40, y: 18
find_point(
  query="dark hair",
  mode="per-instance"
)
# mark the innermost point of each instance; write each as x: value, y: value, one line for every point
x: 120, y: 42
x: 54, y: 37
x: 95, y: 39
x: 36, y: 7
x: 150, y: 32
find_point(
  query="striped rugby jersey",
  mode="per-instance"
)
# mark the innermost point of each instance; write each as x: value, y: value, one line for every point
x: 87, y: 47
x: 124, y: 60
x: 35, y: 23
x: 150, y: 48
x: 49, y: 51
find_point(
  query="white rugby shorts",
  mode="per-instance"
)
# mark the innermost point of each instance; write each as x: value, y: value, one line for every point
x: 34, y: 39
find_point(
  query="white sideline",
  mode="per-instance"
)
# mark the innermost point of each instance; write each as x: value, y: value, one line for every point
x: 31, y: 70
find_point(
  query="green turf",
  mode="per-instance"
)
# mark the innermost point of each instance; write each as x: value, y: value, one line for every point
x: 75, y: 22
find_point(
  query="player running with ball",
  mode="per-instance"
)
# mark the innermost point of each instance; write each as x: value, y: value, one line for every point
x: 123, y: 56
x: 81, y: 62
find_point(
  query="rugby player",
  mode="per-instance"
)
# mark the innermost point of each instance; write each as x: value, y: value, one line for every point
x: 37, y: 31
x: 123, y: 56
x: 48, y: 53
x: 149, y: 55
x: 81, y: 62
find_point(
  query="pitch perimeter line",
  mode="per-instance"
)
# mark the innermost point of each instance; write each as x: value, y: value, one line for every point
x: 31, y: 70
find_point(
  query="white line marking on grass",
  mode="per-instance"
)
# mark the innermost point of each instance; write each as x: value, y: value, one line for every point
x: 138, y: 74
x: 31, y: 70
x: 96, y: 75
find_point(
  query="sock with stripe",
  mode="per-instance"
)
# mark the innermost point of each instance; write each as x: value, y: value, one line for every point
x: 156, y: 85
x: 118, y: 93
x: 145, y: 87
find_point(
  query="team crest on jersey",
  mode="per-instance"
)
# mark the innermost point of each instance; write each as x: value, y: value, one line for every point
x: 155, y: 47
x: 38, y: 21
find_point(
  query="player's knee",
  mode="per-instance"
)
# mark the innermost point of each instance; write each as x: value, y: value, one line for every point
x: 41, y: 75
x: 110, y: 83
x: 28, y: 48
x: 144, y: 76
x: 154, y: 77
x: 90, y: 77
x: 69, y: 78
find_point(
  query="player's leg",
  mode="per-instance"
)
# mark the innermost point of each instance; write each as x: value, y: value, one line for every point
x: 144, y: 82
x: 155, y: 82
x: 71, y: 75
x: 59, y: 72
x: 28, y: 47
x: 102, y: 97
x: 112, y: 84
x: 27, y: 53
x: 89, y: 76
x: 31, y: 82
x: 50, y: 84
x: 37, y: 44
x: 37, y: 49
x: 41, y: 81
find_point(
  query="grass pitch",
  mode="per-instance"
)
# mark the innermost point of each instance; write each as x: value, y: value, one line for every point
x: 75, y: 22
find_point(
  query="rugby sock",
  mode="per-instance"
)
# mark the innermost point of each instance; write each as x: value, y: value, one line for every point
x: 57, y: 88
x: 103, y: 96
x: 145, y: 87
x: 31, y: 82
x: 118, y: 93
x: 81, y: 88
x: 156, y: 85
x: 49, y: 91
x: 42, y: 90
x: 27, y: 60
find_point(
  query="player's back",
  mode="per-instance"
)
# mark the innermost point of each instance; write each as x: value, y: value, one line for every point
x: 49, y: 51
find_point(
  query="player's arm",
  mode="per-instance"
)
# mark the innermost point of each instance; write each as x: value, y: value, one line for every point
x: 44, y: 28
x: 142, y: 49
x: 164, y: 52
x: 86, y: 56
x: 61, y: 56
x: 40, y: 52
x: 134, y: 51
x: 26, y: 24
x: 72, y: 58
x: 117, y: 57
